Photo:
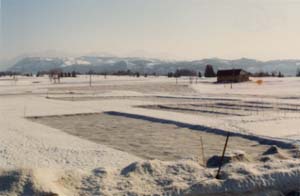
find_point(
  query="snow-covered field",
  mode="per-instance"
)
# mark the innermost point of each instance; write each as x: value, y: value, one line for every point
x: 41, y: 159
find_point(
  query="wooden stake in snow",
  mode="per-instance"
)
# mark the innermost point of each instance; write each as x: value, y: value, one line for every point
x: 222, y: 158
x: 24, y: 112
x: 202, y: 148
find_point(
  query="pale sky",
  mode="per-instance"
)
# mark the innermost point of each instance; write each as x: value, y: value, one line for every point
x: 178, y: 29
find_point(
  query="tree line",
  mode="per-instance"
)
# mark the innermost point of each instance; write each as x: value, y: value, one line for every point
x: 209, y: 72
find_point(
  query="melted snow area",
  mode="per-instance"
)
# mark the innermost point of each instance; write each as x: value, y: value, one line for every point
x: 148, y: 136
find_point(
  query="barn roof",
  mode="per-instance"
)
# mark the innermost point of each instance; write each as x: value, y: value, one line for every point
x: 229, y: 72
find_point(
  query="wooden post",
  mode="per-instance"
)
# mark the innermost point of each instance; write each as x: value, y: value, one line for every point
x: 24, y: 113
x: 202, y: 148
x: 90, y: 82
x: 222, y: 158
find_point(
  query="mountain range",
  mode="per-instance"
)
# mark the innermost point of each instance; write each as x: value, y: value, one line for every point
x: 110, y: 64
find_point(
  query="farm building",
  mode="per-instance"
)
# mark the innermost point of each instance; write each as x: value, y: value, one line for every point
x: 232, y: 75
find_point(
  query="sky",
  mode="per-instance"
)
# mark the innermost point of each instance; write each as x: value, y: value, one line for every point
x: 169, y: 29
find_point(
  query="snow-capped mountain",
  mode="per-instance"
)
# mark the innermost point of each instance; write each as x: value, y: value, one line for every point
x: 111, y: 64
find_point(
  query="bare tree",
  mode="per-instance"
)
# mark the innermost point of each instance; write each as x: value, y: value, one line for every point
x: 55, y: 75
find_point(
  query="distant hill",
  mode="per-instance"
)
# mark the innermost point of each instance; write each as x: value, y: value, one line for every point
x: 111, y: 64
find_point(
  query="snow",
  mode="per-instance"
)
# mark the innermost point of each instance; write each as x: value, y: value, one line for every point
x: 27, y: 144
x: 33, y: 149
x: 74, y: 61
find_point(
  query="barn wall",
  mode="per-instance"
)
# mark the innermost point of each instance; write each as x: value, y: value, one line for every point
x: 239, y: 78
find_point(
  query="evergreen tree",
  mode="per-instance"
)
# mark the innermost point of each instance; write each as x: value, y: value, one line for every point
x: 280, y: 75
x: 199, y: 74
x: 209, y: 71
x: 298, y: 72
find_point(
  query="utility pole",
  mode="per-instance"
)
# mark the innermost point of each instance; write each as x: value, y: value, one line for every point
x: 90, y: 82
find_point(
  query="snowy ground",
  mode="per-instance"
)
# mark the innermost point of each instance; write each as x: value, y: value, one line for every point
x: 148, y: 138
x: 68, y: 165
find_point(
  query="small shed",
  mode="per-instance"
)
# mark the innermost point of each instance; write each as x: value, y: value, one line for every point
x: 232, y: 75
